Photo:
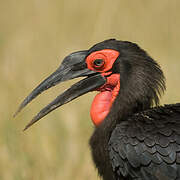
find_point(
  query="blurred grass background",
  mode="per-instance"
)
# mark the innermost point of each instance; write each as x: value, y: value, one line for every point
x: 34, y: 37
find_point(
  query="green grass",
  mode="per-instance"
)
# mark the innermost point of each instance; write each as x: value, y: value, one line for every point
x: 34, y: 37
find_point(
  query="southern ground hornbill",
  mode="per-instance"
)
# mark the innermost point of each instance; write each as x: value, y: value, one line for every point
x: 131, y: 139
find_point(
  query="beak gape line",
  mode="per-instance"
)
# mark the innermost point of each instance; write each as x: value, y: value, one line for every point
x: 73, y: 66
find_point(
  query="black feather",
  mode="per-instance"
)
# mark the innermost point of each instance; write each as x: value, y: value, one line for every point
x: 158, y: 150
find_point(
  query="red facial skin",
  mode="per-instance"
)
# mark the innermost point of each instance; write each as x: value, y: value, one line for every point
x: 103, y: 101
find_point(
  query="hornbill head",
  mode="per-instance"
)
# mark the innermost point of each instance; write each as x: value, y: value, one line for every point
x: 106, y: 66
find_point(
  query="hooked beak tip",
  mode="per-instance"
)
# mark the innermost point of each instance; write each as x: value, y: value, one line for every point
x: 29, y: 124
x: 21, y: 106
x: 25, y: 128
x: 17, y: 112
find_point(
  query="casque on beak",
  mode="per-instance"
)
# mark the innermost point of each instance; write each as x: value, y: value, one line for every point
x: 73, y: 66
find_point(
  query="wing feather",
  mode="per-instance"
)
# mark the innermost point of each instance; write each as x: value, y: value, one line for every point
x: 147, y: 145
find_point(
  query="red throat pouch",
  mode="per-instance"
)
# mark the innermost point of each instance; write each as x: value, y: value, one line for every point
x: 103, y: 101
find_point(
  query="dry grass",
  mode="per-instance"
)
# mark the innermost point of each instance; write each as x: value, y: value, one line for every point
x: 34, y: 37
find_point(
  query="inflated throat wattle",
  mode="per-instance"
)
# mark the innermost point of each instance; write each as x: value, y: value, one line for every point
x: 103, y: 101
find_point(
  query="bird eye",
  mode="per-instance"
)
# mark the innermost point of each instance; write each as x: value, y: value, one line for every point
x: 98, y: 63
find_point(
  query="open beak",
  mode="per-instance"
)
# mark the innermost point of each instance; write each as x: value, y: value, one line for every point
x: 73, y: 66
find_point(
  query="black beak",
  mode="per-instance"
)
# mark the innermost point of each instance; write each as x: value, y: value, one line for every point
x: 73, y: 66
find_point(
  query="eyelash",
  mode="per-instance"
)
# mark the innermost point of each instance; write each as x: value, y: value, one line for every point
x: 98, y: 63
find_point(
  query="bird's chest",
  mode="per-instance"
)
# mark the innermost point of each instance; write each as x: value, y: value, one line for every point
x: 100, y: 154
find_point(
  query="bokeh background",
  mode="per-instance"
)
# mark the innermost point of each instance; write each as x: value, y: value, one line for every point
x: 34, y: 37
